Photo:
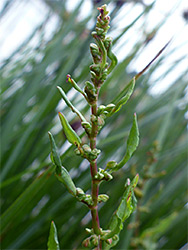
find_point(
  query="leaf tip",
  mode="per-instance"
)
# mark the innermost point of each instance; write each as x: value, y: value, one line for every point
x: 136, y: 180
x: 61, y: 116
x: 68, y: 77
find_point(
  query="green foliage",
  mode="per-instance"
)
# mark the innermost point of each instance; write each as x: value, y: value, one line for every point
x: 125, y: 98
x: 126, y: 207
x: 132, y: 144
x: 31, y: 197
x: 55, y: 155
x: 99, y: 71
x: 72, y: 137
x: 53, y: 243
x: 61, y: 173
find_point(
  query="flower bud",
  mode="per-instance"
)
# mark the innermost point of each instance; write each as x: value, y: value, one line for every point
x: 94, y: 48
x: 115, y: 237
x: 92, y: 157
x: 101, y: 109
x: 103, y: 198
x: 79, y: 192
x: 86, y: 149
x: 99, y: 176
x: 100, y: 121
x: 95, y: 240
x: 77, y: 151
x: 103, y: 10
x: 109, y: 107
x: 111, y: 165
x: 88, y: 199
x: 107, y: 42
x: 87, y: 242
x: 104, y: 76
x: 89, y: 231
x: 95, y: 68
x: 99, y: 31
x: 108, y: 241
x: 95, y: 53
x: 96, y: 151
x: 94, y: 119
x: 93, y: 74
x: 107, y: 176
x: 100, y: 22
x: 90, y: 92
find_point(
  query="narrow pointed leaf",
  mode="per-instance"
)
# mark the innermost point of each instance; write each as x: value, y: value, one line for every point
x: 63, y: 176
x: 61, y: 173
x: 71, y: 135
x: 23, y: 201
x: 75, y: 85
x: 53, y: 243
x: 132, y: 144
x: 69, y: 104
x: 125, y: 98
x: 55, y: 154
x: 125, y: 209
x: 150, y: 63
x: 113, y: 59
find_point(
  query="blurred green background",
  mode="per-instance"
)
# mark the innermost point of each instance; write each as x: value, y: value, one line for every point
x: 30, y: 194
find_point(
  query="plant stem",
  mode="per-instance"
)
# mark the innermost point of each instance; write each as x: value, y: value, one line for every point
x: 94, y: 170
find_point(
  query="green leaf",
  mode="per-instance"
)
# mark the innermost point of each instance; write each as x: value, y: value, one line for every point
x: 20, y: 196
x: 125, y: 98
x: 71, y: 135
x: 25, y: 198
x: 132, y: 144
x: 128, y: 202
x: 126, y: 207
x: 75, y: 85
x: 63, y: 176
x: 112, y: 57
x: 55, y: 154
x: 69, y: 104
x: 61, y: 173
x: 53, y: 243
